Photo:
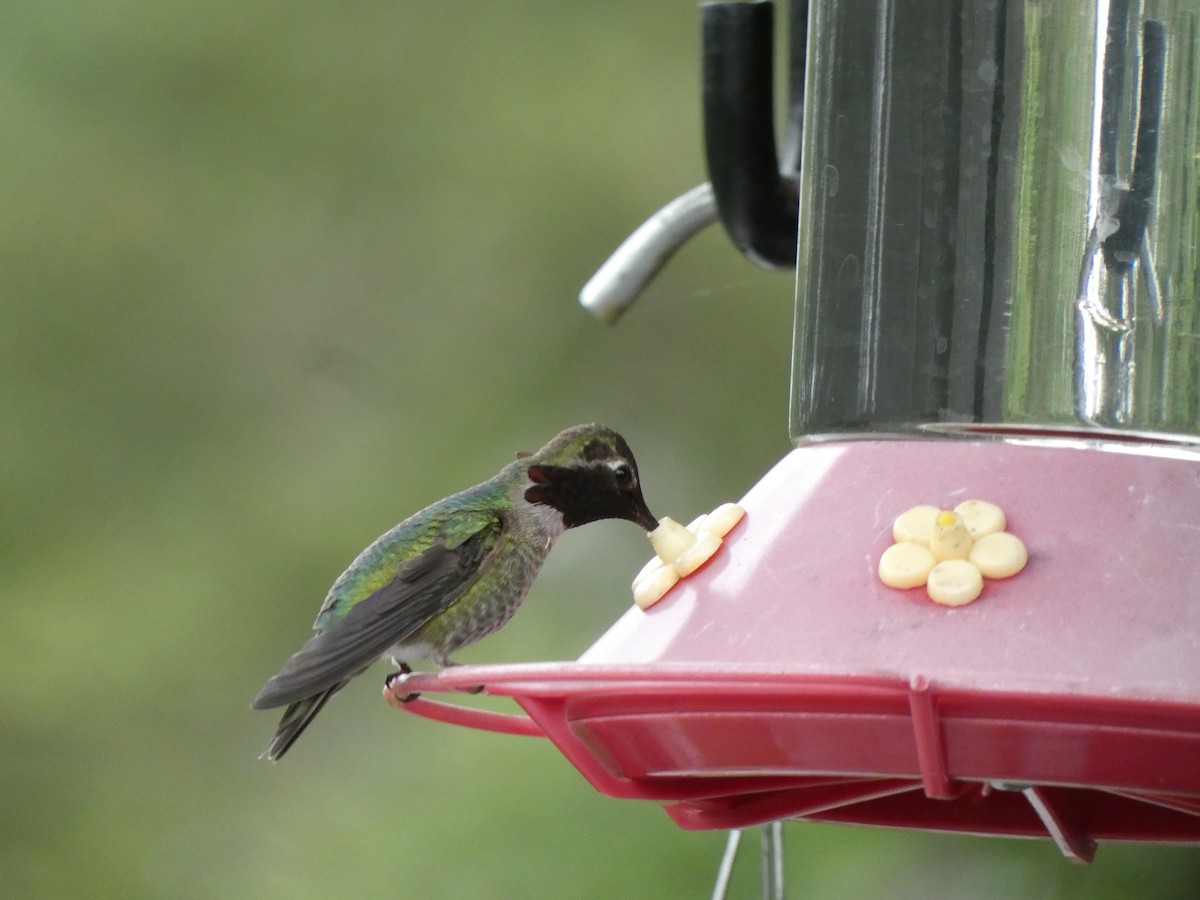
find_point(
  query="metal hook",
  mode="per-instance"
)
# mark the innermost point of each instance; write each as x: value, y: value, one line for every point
x: 631, y: 268
x: 754, y: 198
x: 757, y: 201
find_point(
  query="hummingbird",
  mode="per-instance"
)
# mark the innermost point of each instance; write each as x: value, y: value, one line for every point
x: 456, y: 571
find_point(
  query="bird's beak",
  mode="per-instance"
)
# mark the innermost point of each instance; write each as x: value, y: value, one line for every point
x: 644, y: 517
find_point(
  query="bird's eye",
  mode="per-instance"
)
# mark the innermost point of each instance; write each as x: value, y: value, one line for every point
x: 623, y: 475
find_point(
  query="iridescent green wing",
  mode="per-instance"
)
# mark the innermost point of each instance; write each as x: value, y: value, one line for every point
x: 410, y: 552
x: 366, y: 614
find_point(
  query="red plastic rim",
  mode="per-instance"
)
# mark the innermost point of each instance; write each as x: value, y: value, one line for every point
x: 783, y: 680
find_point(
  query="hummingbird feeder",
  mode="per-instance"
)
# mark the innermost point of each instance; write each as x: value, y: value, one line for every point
x: 998, y: 296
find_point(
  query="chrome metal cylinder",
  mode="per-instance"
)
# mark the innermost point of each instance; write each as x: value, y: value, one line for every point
x: 999, y: 218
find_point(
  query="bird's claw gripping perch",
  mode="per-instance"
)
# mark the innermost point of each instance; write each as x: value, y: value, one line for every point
x: 396, y: 678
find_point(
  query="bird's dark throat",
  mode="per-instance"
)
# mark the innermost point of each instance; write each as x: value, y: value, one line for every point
x: 584, y: 495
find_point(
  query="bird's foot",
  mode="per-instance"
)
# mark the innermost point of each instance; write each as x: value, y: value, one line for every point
x: 397, y: 678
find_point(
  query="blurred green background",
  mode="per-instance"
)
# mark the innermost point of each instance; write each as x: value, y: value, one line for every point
x: 276, y: 275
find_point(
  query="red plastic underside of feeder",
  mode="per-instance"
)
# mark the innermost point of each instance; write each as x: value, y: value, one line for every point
x: 784, y: 681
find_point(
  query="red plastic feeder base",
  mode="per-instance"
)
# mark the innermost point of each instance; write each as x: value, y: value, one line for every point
x: 784, y: 681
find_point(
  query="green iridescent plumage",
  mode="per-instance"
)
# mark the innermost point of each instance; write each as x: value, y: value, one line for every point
x: 456, y: 571
x: 451, y: 523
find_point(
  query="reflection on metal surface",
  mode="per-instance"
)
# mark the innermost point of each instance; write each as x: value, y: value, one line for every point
x: 1107, y: 349
x: 999, y: 217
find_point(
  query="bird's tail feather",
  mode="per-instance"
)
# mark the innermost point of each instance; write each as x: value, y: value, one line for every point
x: 295, y: 719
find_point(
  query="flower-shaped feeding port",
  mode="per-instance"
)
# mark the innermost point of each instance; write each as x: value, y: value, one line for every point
x: 680, y: 551
x: 951, y: 552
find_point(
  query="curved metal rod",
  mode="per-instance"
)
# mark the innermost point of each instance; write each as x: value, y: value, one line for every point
x: 642, y: 255
x: 757, y: 205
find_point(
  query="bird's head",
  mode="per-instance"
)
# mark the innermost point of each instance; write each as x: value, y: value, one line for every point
x: 588, y: 473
